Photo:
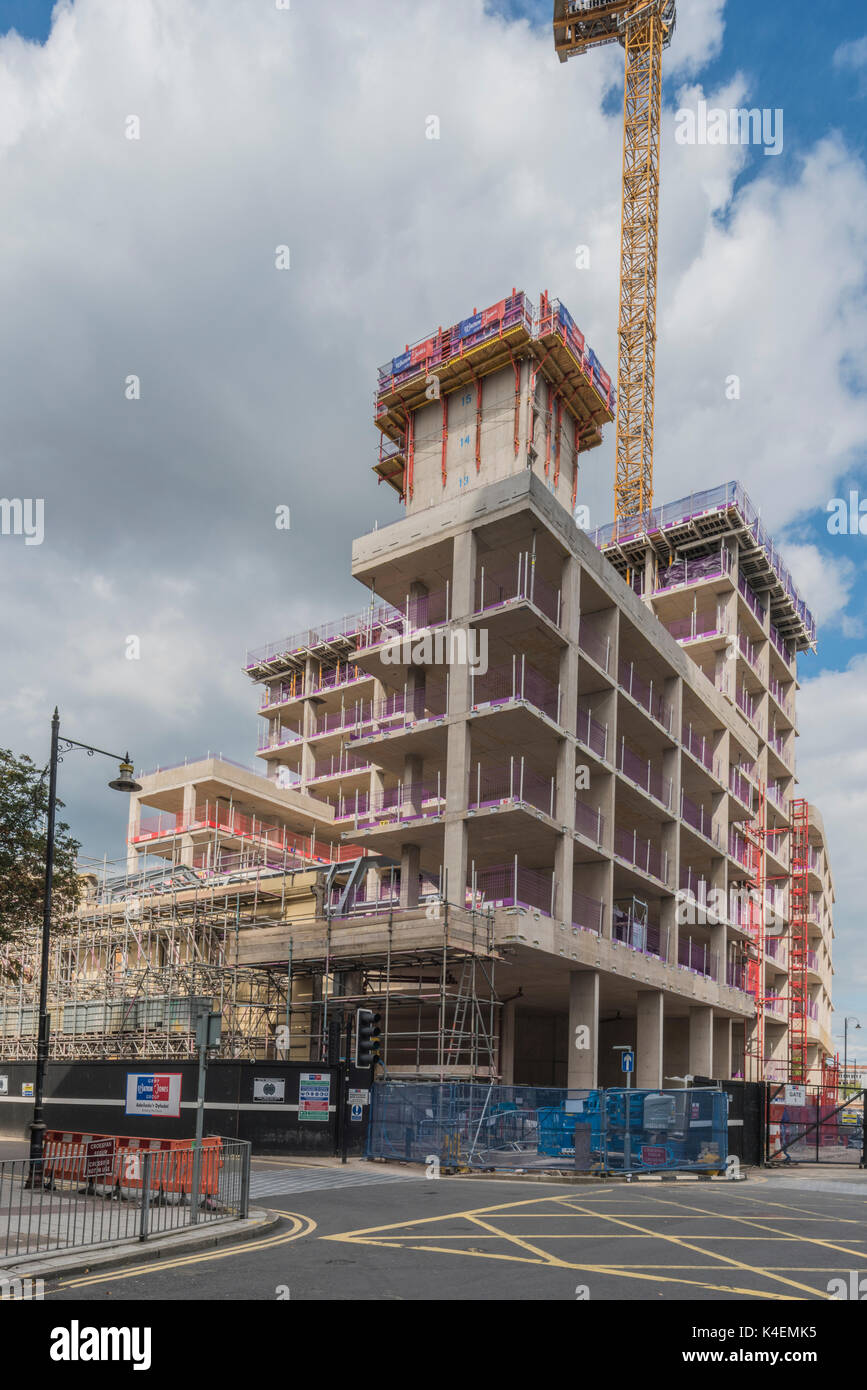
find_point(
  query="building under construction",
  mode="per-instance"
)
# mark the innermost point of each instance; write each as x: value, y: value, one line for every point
x: 536, y: 800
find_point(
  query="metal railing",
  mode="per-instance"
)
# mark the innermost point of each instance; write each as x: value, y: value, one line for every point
x: 697, y: 625
x: 699, y: 818
x: 642, y: 774
x: 595, y: 644
x: 518, y: 682
x: 699, y: 504
x: 590, y: 822
x: 513, y: 782
x: 519, y: 581
x: 592, y: 734
x: 644, y: 695
x: 754, y: 604
x: 691, y: 570
x: 101, y: 1190
x: 699, y: 745
x: 641, y: 854
x: 631, y: 929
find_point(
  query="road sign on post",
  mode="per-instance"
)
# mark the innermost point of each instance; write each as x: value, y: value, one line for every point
x: 208, y: 1027
x: 627, y: 1061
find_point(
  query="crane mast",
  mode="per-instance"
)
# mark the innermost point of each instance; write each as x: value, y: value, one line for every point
x: 644, y: 28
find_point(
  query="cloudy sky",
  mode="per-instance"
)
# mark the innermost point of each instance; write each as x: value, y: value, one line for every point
x: 258, y: 127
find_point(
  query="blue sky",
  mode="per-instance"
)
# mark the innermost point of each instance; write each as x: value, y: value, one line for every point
x: 30, y: 18
x: 757, y: 253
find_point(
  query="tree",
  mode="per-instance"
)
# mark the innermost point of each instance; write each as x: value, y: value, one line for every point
x: 23, y: 821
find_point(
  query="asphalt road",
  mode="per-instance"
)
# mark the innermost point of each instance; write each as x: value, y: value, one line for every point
x: 363, y: 1235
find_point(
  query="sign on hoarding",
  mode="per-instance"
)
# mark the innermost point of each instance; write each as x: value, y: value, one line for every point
x: 795, y: 1095
x: 153, y: 1093
x: 98, y: 1158
x: 314, y: 1095
x: 653, y: 1155
x: 269, y: 1088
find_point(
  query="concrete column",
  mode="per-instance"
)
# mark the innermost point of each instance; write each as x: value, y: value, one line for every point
x: 461, y: 604
x: 582, y: 1068
x: 413, y: 776
x: 701, y: 1040
x: 457, y: 787
x: 507, y: 1043
x: 648, y: 1038
x: 462, y: 589
x: 722, y: 1049
x: 133, y: 828
x: 564, y: 807
x: 410, y: 864
x: 718, y: 951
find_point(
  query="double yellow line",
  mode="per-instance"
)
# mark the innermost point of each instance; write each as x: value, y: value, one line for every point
x: 300, y: 1226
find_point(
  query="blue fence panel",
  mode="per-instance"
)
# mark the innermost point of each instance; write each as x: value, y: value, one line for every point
x: 473, y: 1125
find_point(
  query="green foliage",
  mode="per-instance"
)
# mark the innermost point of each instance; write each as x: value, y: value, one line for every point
x: 23, y: 817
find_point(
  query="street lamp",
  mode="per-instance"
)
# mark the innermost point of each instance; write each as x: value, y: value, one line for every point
x: 124, y: 782
x: 850, y: 1018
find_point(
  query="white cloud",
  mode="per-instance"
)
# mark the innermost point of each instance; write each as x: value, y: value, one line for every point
x: 852, y: 55
x: 156, y: 257
x: 698, y: 36
x: 828, y: 582
x: 832, y: 769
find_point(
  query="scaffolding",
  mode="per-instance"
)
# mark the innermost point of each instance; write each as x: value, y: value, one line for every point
x: 755, y: 834
x: 152, y: 946
x: 799, y: 901
x: 148, y: 947
x: 429, y: 971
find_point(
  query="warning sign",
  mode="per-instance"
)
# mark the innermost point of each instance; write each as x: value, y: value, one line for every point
x: 98, y: 1158
x: 653, y: 1155
x: 153, y: 1093
x: 314, y: 1095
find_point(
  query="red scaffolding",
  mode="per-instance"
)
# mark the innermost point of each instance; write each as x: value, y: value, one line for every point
x: 755, y: 834
x: 799, y: 902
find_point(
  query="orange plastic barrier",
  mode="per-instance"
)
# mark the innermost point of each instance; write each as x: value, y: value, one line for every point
x: 171, y: 1168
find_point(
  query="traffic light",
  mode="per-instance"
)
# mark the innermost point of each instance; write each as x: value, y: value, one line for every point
x: 368, y: 1038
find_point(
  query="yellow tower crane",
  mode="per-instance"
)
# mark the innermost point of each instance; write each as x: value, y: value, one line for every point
x: 643, y: 28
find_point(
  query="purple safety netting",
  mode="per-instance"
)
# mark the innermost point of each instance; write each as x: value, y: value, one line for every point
x: 641, y: 853
x: 644, y: 694
x: 590, y: 821
x: 591, y: 733
x: 593, y: 642
x: 640, y: 771
x: 489, y: 786
x: 587, y: 912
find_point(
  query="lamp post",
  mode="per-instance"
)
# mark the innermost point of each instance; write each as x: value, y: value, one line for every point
x: 850, y: 1018
x: 122, y: 783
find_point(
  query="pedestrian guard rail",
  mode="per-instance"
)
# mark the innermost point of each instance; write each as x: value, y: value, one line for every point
x: 471, y: 1125
x: 101, y: 1189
